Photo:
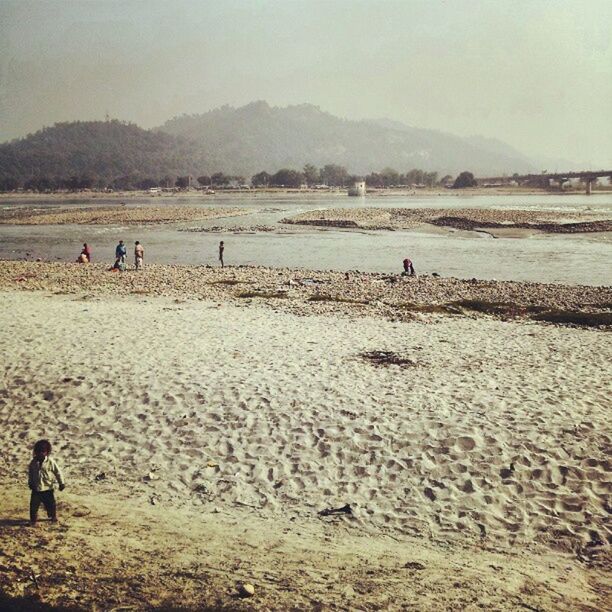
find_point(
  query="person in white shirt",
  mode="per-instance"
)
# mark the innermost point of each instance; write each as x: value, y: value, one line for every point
x: 42, y: 477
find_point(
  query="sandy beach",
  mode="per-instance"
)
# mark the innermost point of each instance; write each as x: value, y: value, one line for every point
x: 306, y: 306
x: 196, y: 406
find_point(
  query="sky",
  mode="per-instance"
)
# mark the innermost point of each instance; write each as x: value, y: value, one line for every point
x: 536, y: 74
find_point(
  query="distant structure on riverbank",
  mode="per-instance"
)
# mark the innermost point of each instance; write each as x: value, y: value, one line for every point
x: 358, y: 189
x: 544, y: 180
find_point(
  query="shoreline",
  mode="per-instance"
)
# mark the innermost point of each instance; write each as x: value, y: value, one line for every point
x: 293, y: 193
x: 301, y: 291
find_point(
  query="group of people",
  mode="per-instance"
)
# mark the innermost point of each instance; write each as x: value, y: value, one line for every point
x: 44, y: 473
x: 120, y: 256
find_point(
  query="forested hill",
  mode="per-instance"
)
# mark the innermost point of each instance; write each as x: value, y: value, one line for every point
x: 238, y: 141
x: 100, y: 150
x: 260, y: 137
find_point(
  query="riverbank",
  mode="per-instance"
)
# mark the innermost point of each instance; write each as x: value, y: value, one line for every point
x: 203, y: 433
x: 293, y: 193
x: 303, y: 292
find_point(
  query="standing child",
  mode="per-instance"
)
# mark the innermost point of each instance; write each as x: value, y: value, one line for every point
x: 43, y: 473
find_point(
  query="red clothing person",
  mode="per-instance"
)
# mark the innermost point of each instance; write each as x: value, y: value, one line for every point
x: 408, y: 267
x: 85, y: 256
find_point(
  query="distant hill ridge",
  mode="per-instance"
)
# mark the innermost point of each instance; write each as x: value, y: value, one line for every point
x: 246, y: 140
x: 101, y: 149
x: 258, y: 136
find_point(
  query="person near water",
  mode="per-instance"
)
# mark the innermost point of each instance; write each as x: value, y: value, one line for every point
x: 221, y: 249
x: 43, y: 475
x: 120, y: 253
x: 85, y: 256
x: 138, y: 255
x: 408, y: 268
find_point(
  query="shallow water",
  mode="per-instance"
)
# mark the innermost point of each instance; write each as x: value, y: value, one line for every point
x: 565, y: 258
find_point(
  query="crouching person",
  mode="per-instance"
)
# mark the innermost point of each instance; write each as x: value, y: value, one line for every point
x: 44, y: 473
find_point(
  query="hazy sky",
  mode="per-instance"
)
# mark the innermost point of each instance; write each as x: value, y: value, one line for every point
x: 534, y: 73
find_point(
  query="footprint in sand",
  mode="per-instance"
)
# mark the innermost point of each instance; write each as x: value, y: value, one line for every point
x: 466, y: 443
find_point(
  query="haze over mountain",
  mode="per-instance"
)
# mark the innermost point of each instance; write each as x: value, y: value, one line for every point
x: 257, y: 136
x: 249, y: 139
x: 536, y: 75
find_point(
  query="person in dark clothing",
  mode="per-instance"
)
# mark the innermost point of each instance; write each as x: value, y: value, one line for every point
x: 120, y: 254
x: 221, y: 249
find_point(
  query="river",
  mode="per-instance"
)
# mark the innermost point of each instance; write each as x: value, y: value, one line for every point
x: 557, y: 258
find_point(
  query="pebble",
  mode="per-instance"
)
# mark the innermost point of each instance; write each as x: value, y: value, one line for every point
x: 364, y: 294
x: 246, y: 590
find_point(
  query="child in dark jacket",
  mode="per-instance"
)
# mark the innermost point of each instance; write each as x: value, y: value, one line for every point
x: 42, y: 476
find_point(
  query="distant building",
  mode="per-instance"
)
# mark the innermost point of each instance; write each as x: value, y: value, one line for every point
x: 358, y: 189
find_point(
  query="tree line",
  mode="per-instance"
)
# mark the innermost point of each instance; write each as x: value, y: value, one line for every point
x: 330, y: 175
x: 334, y: 175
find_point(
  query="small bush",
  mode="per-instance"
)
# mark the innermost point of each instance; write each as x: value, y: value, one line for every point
x: 493, y: 308
x: 534, y: 312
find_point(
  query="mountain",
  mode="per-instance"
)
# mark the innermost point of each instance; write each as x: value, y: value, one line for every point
x: 243, y: 141
x: 104, y: 150
x: 260, y: 137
